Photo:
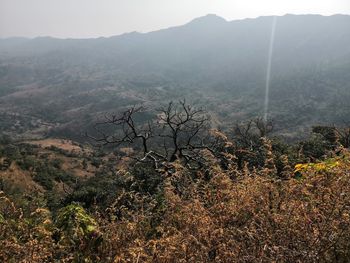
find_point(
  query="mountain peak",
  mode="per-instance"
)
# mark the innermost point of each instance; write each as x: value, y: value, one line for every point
x: 208, y: 19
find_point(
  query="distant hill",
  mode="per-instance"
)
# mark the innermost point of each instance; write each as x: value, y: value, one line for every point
x: 64, y: 84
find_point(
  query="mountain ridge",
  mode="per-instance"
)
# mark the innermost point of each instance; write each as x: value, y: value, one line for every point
x: 223, y: 67
x: 210, y: 16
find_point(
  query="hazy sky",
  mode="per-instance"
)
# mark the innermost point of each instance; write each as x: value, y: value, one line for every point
x: 94, y: 18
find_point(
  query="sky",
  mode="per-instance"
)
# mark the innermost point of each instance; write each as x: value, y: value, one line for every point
x: 96, y: 18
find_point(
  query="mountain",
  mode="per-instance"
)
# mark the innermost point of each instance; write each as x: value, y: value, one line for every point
x: 64, y: 84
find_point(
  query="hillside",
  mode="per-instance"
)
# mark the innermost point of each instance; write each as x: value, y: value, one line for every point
x: 60, y: 202
x: 59, y: 87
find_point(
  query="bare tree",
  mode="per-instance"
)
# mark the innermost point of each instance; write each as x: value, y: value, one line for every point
x: 343, y: 133
x: 249, y: 133
x: 183, y: 129
x: 247, y: 137
x: 125, y: 131
x: 244, y: 135
x: 264, y: 126
x: 180, y: 132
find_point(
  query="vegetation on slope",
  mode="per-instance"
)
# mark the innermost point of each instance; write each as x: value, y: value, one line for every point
x: 260, y: 200
x: 54, y: 86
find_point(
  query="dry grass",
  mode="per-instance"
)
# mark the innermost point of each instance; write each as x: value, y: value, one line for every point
x: 229, y: 217
x: 23, y: 180
x: 66, y: 145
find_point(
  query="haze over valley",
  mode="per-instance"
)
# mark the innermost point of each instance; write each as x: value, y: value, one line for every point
x: 65, y: 84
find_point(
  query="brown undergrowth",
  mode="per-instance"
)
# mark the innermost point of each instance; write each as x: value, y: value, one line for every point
x: 215, y: 216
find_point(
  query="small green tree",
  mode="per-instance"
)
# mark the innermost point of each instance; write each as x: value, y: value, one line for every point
x: 76, y: 226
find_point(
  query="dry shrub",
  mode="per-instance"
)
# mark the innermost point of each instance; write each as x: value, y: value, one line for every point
x: 214, y: 218
x: 253, y: 219
x: 24, y: 239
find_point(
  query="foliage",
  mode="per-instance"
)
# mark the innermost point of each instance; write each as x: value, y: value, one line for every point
x: 249, y: 208
x: 75, y: 224
x: 196, y: 217
x: 321, y: 166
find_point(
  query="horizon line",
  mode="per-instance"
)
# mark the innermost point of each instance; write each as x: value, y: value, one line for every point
x: 165, y: 28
